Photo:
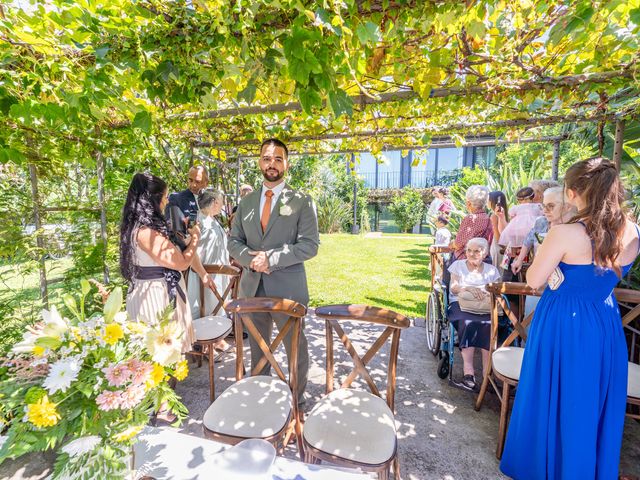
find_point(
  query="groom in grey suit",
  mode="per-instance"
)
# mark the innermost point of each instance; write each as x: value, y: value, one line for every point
x: 274, y: 231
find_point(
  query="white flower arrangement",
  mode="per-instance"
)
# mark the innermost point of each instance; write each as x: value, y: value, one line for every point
x: 91, y: 383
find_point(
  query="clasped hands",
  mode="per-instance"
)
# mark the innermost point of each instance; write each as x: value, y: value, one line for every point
x: 260, y: 262
x: 477, y: 293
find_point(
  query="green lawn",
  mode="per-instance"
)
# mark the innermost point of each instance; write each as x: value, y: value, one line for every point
x: 389, y: 272
x: 385, y: 272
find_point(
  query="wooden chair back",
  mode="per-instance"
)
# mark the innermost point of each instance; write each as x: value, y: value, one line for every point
x: 229, y: 293
x: 437, y: 261
x: 630, y: 299
x: 498, y: 303
x: 243, y: 308
x: 394, y: 323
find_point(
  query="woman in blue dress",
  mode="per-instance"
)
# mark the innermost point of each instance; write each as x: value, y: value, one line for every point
x: 569, y: 409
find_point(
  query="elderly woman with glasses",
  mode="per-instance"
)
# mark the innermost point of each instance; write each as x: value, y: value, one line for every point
x: 468, y: 278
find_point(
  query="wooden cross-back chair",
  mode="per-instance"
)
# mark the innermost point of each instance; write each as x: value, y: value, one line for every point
x: 437, y: 263
x: 505, y: 360
x: 631, y: 300
x: 214, y: 325
x: 352, y: 427
x: 260, y: 406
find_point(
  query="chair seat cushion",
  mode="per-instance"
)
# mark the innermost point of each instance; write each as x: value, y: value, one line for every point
x: 353, y: 425
x: 633, y: 382
x: 211, y: 327
x: 507, y: 361
x: 254, y: 407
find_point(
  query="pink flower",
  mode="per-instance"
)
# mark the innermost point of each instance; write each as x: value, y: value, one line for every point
x: 109, y: 400
x: 117, y: 375
x: 140, y: 371
x: 132, y: 396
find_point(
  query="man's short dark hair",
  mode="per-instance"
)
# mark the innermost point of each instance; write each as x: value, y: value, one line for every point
x: 275, y: 142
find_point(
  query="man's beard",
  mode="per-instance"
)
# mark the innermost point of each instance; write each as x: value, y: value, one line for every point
x: 272, y: 177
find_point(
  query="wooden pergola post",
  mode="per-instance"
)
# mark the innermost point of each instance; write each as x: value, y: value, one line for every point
x: 619, y: 142
x: 37, y: 220
x: 97, y: 153
x: 556, y: 160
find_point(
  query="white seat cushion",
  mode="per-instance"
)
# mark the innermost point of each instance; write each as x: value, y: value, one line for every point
x: 353, y: 425
x: 254, y: 407
x: 633, y: 382
x: 507, y: 361
x: 208, y: 328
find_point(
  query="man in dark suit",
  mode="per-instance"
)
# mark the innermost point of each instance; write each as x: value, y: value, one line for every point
x: 275, y: 230
x: 186, y: 200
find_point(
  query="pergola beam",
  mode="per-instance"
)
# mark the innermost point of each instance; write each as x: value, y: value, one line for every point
x: 392, y: 132
x: 544, y: 83
x: 434, y: 145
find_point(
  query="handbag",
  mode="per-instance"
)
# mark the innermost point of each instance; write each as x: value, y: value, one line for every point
x: 470, y: 304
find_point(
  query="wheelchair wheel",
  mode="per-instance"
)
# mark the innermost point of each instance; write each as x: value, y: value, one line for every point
x: 432, y: 323
x: 443, y: 366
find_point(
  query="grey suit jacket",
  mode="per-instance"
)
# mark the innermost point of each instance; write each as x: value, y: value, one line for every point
x: 291, y: 237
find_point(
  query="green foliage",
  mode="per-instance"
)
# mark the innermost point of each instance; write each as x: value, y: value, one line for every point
x: 407, y: 209
x: 333, y: 214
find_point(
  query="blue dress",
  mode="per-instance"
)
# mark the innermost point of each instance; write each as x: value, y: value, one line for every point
x: 568, y: 414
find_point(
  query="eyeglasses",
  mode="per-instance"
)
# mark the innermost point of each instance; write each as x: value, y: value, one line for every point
x: 474, y: 251
x: 548, y: 206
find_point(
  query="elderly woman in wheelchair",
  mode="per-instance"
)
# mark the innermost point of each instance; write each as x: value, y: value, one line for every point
x: 470, y: 305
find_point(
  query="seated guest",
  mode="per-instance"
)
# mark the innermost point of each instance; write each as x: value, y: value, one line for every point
x: 477, y: 223
x: 556, y: 211
x: 468, y: 278
x: 212, y: 250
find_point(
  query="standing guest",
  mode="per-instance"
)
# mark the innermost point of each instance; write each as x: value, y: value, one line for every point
x: 186, y: 200
x: 446, y: 207
x: 499, y: 220
x: 149, y: 262
x: 273, y: 233
x: 469, y: 276
x: 522, y: 218
x: 476, y: 223
x: 432, y: 211
x: 212, y: 250
x: 569, y: 409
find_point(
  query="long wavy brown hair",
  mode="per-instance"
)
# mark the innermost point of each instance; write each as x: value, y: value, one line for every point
x: 597, y: 181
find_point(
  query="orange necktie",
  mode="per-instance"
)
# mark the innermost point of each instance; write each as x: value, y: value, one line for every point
x: 266, y: 210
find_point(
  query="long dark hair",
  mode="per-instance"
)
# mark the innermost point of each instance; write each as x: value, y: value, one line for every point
x: 499, y: 199
x: 141, y: 209
x: 597, y: 181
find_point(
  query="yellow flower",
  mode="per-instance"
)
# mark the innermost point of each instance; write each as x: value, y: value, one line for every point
x: 38, y: 351
x: 157, y: 376
x: 181, y: 371
x: 127, y: 434
x: 43, y: 413
x: 137, y: 328
x: 75, y: 331
x: 112, y: 333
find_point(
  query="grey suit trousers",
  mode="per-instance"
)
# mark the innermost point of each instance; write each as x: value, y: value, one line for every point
x: 264, y: 324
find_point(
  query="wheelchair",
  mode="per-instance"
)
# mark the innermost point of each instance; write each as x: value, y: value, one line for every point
x: 440, y: 332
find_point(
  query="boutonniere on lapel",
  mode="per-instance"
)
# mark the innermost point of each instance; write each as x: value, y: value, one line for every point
x: 285, y: 210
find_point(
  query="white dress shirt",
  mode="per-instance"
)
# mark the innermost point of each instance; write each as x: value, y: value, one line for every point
x: 277, y: 190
